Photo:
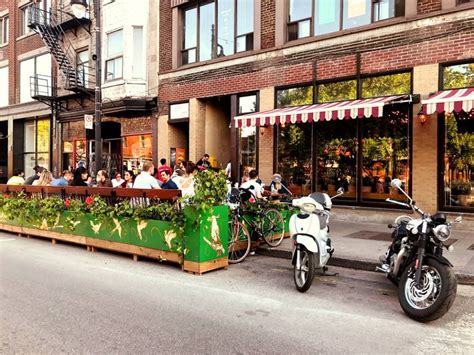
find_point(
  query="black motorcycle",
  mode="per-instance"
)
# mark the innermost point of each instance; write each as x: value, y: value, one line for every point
x: 415, y: 262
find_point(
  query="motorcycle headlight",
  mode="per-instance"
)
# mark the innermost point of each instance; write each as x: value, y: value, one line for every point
x: 442, y: 232
x: 308, y: 207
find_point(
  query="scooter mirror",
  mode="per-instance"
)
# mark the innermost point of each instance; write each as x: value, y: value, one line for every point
x: 340, y: 191
x: 458, y: 219
x: 397, y: 183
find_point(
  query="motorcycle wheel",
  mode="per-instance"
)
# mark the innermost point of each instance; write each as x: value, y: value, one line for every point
x: 304, y: 276
x: 436, y: 295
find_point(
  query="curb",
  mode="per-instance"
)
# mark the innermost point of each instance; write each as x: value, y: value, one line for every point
x: 366, y: 265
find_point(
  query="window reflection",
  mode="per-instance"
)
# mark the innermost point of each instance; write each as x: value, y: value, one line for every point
x: 327, y: 16
x: 337, y: 157
x: 232, y: 33
x: 225, y: 39
x: 384, y: 85
x: 339, y: 91
x: 385, y: 155
x: 458, y: 76
x: 356, y: 13
x: 206, y: 31
x: 295, y: 96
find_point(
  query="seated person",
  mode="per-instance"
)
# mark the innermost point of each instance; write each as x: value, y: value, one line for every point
x: 168, y: 184
x: 257, y: 188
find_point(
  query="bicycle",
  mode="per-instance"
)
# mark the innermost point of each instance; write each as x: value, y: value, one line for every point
x: 265, y: 223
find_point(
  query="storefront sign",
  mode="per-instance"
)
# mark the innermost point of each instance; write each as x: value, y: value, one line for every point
x: 89, y: 121
x: 179, y: 111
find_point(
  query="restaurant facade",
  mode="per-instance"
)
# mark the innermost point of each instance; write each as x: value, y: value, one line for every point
x: 352, y: 93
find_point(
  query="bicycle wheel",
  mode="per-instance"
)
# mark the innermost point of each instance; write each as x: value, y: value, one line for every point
x: 273, y: 227
x: 239, y: 242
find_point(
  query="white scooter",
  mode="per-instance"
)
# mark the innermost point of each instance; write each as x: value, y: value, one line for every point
x: 309, y: 231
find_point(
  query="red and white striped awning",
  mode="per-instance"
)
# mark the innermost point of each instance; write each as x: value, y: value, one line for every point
x: 318, y: 112
x: 449, y: 100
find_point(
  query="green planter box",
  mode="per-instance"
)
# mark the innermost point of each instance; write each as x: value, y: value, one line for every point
x: 203, y: 247
x: 206, y: 238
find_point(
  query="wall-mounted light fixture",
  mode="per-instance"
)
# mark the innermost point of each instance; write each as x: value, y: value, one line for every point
x: 423, y: 117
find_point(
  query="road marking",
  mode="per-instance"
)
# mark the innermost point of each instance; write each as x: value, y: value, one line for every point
x: 6, y: 240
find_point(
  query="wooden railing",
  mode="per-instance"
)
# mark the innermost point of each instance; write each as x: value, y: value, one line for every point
x: 111, y: 195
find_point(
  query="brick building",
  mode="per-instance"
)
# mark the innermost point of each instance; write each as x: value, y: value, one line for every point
x: 25, y: 139
x: 50, y: 61
x: 326, y: 94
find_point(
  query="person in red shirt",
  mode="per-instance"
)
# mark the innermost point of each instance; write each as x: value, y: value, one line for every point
x: 163, y: 167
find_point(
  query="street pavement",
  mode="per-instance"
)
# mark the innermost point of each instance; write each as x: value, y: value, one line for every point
x: 62, y: 299
x: 359, y: 245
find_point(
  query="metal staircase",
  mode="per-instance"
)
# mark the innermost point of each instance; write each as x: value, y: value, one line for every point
x: 46, y: 25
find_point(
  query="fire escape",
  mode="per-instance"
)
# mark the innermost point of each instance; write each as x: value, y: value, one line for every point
x: 78, y: 77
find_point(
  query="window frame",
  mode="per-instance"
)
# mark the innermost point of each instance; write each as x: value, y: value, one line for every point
x: 341, y: 19
x: 215, y: 50
x: 441, y: 117
x: 113, y: 58
x: 4, y: 30
x: 24, y: 19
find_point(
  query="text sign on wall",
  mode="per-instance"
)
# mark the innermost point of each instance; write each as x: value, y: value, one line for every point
x: 179, y: 111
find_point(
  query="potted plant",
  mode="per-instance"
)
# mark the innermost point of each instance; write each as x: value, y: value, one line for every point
x: 461, y: 189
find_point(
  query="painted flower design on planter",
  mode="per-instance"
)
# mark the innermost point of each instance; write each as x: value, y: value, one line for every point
x: 215, y: 243
x: 169, y: 236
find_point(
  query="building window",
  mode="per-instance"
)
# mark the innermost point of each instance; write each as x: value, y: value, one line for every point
x: 36, y: 146
x: 316, y: 17
x: 459, y: 2
x: 35, y: 77
x: 323, y: 156
x: 204, y: 39
x: 247, y: 104
x: 385, y: 85
x: 248, y: 136
x: 457, y: 145
x: 4, y: 30
x: 114, y: 63
x: 458, y: 76
x: 137, y: 150
x: 338, y: 91
x: 296, y: 96
x: 25, y: 14
x: 4, y: 87
x: 294, y: 142
x: 82, y: 60
x: 138, y: 69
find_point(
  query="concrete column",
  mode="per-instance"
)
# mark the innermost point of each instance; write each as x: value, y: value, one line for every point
x: 176, y: 38
x: 425, y: 142
x: 163, y: 138
x: 217, y: 133
x: 265, y: 139
x: 281, y: 7
x: 448, y: 4
x: 197, y: 132
x: 411, y: 8
x: 257, y: 30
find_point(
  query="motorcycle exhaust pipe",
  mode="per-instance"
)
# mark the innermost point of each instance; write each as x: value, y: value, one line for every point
x: 398, y: 261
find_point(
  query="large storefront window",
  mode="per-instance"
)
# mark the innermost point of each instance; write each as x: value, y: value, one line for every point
x: 385, y: 154
x: 248, y: 136
x: 136, y: 151
x: 458, y: 160
x: 361, y: 155
x: 295, y: 142
x: 36, y: 147
x: 337, y: 157
x: 204, y: 39
x: 316, y: 17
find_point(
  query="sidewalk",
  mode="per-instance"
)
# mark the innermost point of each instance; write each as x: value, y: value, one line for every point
x: 358, y: 245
